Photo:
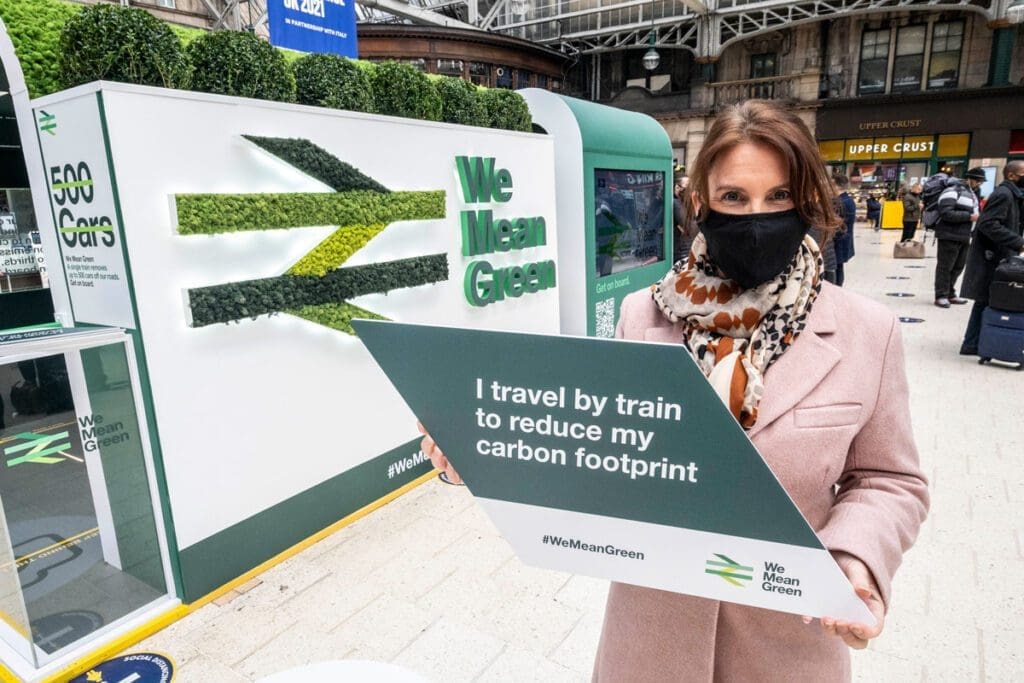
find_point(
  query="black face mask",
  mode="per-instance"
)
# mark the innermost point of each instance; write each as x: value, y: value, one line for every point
x: 753, y: 248
x: 1020, y: 182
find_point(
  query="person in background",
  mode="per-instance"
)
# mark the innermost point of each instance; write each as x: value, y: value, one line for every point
x: 685, y: 228
x: 844, y: 240
x: 958, y: 209
x: 875, y: 212
x: 912, y: 207
x: 997, y: 235
x: 775, y: 343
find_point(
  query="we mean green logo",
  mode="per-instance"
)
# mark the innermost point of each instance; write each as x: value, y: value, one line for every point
x: 38, y: 448
x: 729, y: 569
x: 47, y: 122
x: 484, y: 183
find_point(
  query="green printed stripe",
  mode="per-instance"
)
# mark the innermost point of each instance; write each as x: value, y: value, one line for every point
x: 76, y: 183
x: 219, y: 213
x: 712, y: 563
x: 728, y: 575
x: 36, y: 440
x: 251, y: 298
x: 91, y: 228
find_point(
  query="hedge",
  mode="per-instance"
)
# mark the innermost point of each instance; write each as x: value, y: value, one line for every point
x: 460, y: 102
x: 332, y: 81
x: 35, y: 27
x: 505, y: 109
x: 108, y: 43
x: 402, y: 90
x: 317, y: 162
x: 252, y: 298
x: 219, y: 213
x: 239, y: 63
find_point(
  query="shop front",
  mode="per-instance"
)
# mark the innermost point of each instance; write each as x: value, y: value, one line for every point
x: 885, y: 164
x: 888, y: 142
x: 24, y: 293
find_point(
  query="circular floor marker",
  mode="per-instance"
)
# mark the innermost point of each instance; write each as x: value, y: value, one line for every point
x: 899, y: 294
x: 905, y: 319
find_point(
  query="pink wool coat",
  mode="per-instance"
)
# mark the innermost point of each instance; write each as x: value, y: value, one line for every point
x: 834, y: 426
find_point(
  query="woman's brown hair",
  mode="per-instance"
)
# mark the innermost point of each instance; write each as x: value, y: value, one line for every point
x: 768, y: 123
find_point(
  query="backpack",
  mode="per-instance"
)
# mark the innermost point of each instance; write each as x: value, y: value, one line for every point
x: 931, y: 190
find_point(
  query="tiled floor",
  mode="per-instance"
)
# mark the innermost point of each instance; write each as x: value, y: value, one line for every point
x: 427, y: 583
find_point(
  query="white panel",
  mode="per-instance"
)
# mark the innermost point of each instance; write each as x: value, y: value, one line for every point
x: 674, y: 559
x: 254, y: 412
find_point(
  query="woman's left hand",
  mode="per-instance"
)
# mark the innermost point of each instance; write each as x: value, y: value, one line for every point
x: 856, y: 634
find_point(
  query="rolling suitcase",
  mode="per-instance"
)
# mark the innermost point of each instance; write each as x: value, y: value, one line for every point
x: 1007, y: 290
x: 1002, y: 337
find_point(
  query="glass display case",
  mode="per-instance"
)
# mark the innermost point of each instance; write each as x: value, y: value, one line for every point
x: 82, y: 546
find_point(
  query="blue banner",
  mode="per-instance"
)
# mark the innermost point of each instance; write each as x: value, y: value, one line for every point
x: 314, y: 25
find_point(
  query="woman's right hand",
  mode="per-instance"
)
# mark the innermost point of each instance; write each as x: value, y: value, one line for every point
x: 437, y: 458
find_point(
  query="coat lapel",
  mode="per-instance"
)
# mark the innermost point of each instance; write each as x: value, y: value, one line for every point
x: 802, y: 367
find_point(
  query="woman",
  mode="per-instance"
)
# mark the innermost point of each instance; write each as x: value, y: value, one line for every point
x: 912, y: 206
x: 816, y: 378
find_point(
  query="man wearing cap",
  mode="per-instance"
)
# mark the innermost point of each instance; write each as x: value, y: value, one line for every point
x: 958, y: 209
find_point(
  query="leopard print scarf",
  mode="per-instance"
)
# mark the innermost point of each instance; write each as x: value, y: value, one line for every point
x: 735, y: 335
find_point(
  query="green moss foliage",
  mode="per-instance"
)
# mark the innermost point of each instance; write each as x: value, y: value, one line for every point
x: 219, y: 213
x: 332, y: 81
x: 112, y: 43
x: 34, y: 27
x: 402, y: 90
x: 317, y: 162
x: 186, y: 34
x: 460, y: 102
x: 336, y: 249
x: 505, y: 109
x: 252, y: 298
x: 239, y: 63
x: 335, y: 316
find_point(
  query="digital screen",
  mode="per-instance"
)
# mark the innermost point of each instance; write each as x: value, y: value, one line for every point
x: 630, y: 219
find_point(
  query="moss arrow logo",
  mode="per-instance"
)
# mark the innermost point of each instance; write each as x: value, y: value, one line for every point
x: 316, y: 287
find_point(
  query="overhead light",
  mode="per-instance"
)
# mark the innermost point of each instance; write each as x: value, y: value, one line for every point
x: 651, y: 58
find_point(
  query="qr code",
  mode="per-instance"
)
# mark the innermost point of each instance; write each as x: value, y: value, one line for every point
x: 604, y: 313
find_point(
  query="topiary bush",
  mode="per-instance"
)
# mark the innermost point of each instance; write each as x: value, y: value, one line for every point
x: 34, y: 27
x: 239, y: 63
x: 112, y: 43
x: 332, y: 81
x: 402, y: 90
x: 505, y: 109
x: 459, y: 102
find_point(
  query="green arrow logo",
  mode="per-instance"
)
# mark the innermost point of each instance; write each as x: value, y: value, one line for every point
x: 47, y: 122
x: 40, y: 448
x: 315, y: 287
x: 729, y: 569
